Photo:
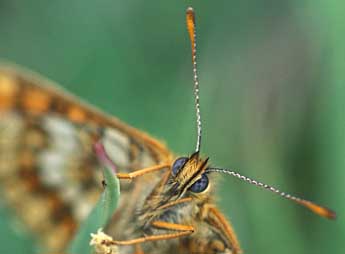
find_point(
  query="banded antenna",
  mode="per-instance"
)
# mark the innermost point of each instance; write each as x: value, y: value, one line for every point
x: 190, y: 17
x: 315, y: 208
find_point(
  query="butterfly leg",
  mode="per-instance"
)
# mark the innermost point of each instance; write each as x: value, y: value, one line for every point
x: 218, y: 220
x: 105, y: 159
x: 138, y: 249
x: 179, y: 231
x: 143, y: 171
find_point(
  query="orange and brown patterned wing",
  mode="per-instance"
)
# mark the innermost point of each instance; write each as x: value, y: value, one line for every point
x: 49, y: 174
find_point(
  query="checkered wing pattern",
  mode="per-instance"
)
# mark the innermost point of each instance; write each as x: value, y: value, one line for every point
x: 49, y: 174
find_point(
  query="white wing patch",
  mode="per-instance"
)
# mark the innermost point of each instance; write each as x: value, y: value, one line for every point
x: 117, y: 146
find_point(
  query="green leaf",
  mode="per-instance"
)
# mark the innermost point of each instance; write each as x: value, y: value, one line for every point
x: 99, y: 216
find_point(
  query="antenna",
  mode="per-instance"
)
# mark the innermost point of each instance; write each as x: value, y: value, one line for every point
x: 190, y: 17
x: 320, y: 210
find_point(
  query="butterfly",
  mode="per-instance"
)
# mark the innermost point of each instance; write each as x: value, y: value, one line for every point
x: 50, y: 177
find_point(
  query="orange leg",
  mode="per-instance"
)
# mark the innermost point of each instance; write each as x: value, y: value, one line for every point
x: 138, y: 249
x: 172, y: 226
x: 219, y: 221
x: 106, y: 160
x: 183, y: 230
x: 141, y: 172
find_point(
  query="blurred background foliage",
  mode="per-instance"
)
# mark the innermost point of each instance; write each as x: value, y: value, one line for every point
x: 272, y: 95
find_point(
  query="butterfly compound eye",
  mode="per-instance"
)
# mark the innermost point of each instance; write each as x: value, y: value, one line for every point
x: 200, y: 185
x: 178, y: 164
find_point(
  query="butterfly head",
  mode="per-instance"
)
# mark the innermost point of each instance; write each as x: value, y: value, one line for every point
x: 188, y: 175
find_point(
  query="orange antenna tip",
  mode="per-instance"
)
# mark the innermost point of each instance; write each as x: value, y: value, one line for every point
x: 190, y: 18
x: 319, y: 210
x: 190, y: 13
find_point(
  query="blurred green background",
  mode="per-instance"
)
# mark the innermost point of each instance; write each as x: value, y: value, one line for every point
x: 272, y: 96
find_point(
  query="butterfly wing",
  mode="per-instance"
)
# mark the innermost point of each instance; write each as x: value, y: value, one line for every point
x: 49, y: 174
